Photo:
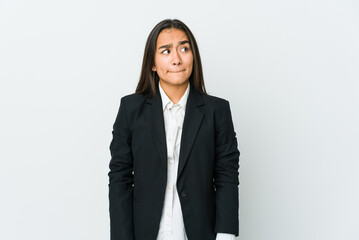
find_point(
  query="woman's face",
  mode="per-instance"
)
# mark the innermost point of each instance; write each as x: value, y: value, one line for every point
x: 173, y: 57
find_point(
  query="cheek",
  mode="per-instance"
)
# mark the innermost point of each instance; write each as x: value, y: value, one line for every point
x: 160, y: 64
x: 189, y: 60
x: 161, y: 68
x: 190, y: 63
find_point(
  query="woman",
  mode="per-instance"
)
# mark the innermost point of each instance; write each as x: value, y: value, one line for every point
x: 174, y: 166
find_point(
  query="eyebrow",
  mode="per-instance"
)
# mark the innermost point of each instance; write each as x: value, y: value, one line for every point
x: 170, y: 45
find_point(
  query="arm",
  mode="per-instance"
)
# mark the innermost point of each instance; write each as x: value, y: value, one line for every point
x: 121, y: 179
x: 226, y: 175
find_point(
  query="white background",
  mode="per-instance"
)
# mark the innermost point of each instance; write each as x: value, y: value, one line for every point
x: 288, y: 68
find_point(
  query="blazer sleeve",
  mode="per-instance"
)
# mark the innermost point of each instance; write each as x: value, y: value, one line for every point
x: 226, y: 175
x: 121, y: 179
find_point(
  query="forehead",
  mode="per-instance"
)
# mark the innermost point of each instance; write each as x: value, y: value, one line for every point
x: 170, y: 36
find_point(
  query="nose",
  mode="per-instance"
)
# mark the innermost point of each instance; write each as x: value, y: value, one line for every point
x: 176, y: 60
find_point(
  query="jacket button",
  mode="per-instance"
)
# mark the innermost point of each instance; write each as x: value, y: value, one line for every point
x: 183, y: 194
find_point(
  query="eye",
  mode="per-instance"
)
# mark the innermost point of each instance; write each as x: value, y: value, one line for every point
x: 165, y: 51
x: 186, y: 49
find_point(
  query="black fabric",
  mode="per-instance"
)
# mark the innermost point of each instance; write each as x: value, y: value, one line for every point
x: 207, y: 179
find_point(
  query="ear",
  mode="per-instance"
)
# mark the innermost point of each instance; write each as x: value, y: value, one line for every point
x: 154, y: 68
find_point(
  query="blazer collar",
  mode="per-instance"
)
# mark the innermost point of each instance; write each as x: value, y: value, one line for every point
x: 191, y: 124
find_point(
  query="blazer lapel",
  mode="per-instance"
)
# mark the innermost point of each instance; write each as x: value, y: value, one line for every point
x: 191, y: 124
x: 156, y: 122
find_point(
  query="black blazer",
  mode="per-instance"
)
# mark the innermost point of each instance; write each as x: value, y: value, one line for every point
x: 207, y: 181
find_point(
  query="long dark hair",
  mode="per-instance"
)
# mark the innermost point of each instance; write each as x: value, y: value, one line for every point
x: 149, y: 79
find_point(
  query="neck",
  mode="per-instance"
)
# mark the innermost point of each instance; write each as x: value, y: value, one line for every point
x: 174, y: 91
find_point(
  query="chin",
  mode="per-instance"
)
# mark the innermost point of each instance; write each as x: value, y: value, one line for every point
x: 181, y: 82
x: 176, y: 82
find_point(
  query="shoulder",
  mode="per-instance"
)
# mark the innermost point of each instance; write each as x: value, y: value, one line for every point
x: 129, y: 105
x: 217, y: 107
x: 132, y: 98
x: 219, y: 111
x: 129, y: 102
x: 217, y: 104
